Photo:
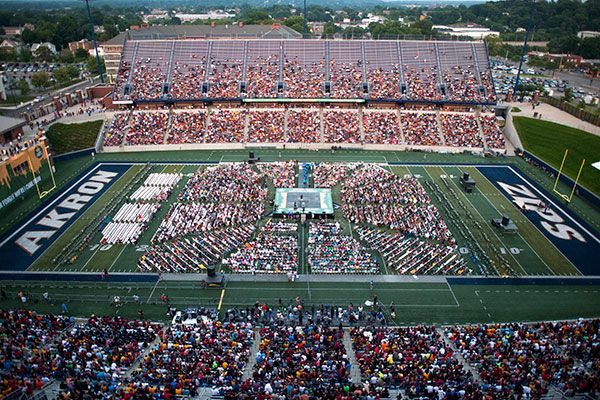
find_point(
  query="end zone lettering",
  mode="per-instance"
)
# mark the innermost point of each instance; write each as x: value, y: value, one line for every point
x: 32, y: 240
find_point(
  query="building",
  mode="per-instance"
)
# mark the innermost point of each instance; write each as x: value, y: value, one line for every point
x: 561, y: 59
x: 11, y: 128
x: 211, y: 15
x: 10, y: 44
x: 81, y: 44
x: 36, y: 46
x: 473, y: 31
x: 588, y: 34
x: 112, y: 48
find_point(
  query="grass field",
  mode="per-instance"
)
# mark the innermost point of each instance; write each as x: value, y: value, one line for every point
x: 548, y: 141
x: 71, y: 137
x: 527, y: 253
x: 438, y: 303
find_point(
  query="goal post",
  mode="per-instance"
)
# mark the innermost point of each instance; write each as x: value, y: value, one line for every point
x: 567, y: 197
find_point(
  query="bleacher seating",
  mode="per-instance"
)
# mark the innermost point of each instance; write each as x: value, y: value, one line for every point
x: 433, y: 71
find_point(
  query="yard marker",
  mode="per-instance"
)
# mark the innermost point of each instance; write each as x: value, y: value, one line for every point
x: 221, y: 299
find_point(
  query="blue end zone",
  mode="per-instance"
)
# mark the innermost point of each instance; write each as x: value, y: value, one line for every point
x: 524, y: 281
x: 82, y: 277
x: 573, y: 237
x: 21, y: 246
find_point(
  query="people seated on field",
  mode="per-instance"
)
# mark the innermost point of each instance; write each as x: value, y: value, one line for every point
x: 282, y: 174
x: 273, y: 251
x: 377, y: 197
x: 328, y: 175
x: 330, y: 251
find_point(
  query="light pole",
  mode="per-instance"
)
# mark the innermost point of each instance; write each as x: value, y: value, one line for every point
x: 89, y: 13
x: 305, y: 22
x: 529, y: 28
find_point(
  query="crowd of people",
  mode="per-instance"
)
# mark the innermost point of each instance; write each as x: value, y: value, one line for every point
x: 420, y: 129
x: 187, y: 78
x: 305, y: 360
x: 522, y: 360
x: 300, y: 354
x: 115, y: 132
x: 10, y: 148
x: 384, y: 83
x: 216, y: 197
x: 241, y: 125
x: 414, y: 359
x: 428, y: 72
x: 187, y: 127
x: 346, y: 79
x: 381, y: 128
x: 330, y: 251
x: 377, y: 197
x: 266, y: 126
x: 304, y: 126
x: 210, y: 353
x: 341, y: 127
x: 411, y: 255
x: 191, y: 254
x: 460, y: 130
x: 262, y: 76
x: 328, y: 175
x: 226, y: 126
x: 282, y: 174
x: 492, y: 135
x: 89, y: 358
x: 303, y: 79
x: 147, y: 128
x: 273, y: 251
x: 224, y: 78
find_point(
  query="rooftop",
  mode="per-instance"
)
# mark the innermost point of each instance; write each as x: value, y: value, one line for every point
x: 205, y: 31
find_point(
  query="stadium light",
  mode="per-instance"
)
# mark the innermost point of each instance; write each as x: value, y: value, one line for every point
x: 87, y: 4
x: 529, y: 28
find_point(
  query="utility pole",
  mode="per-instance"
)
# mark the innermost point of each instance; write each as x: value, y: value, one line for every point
x: 87, y: 4
x: 529, y: 28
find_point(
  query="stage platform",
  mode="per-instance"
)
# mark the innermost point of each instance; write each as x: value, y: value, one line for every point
x: 296, y: 201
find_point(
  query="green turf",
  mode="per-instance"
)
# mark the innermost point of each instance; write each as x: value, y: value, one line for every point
x: 65, y: 138
x: 549, y: 141
x: 414, y: 302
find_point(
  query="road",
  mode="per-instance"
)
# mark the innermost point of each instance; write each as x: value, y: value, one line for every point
x: 16, y: 112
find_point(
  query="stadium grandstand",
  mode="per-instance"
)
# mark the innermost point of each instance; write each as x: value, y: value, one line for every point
x: 284, y: 218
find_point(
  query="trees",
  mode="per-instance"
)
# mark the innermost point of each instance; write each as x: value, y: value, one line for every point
x: 23, y: 87
x: 40, y: 79
x: 43, y: 54
x: 296, y: 22
x: 92, y: 65
x: 81, y: 55
x: 65, y: 56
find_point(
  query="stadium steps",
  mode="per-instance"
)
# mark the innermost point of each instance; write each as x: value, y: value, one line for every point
x: 355, y: 370
x: 139, y: 360
x: 474, y: 55
x: 480, y: 129
x: 133, y: 59
x: 440, y: 131
x: 246, y: 124
x: 321, y: 126
x: 459, y: 356
x: 286, y: 118
x: 438, y: 64
x: 361, y: 123
x: 252, y: 359
x: 168, y: 126
x: 399, y: 113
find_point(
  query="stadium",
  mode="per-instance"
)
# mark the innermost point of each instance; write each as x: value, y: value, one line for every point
x: 298, y: 219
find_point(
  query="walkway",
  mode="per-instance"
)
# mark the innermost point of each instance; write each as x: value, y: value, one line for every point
x: 355, y: 370
x: 553, y: 114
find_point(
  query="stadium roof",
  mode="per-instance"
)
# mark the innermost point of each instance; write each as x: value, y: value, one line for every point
x: 7, y: 123
x: 205, y: 31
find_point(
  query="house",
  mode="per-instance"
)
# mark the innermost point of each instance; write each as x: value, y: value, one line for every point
x: 11, y: 44
x: 473, y: 31
x: 36, y: 46
x: 81, y: 44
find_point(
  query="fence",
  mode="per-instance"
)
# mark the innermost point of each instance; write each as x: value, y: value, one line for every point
x: 573, y: 110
